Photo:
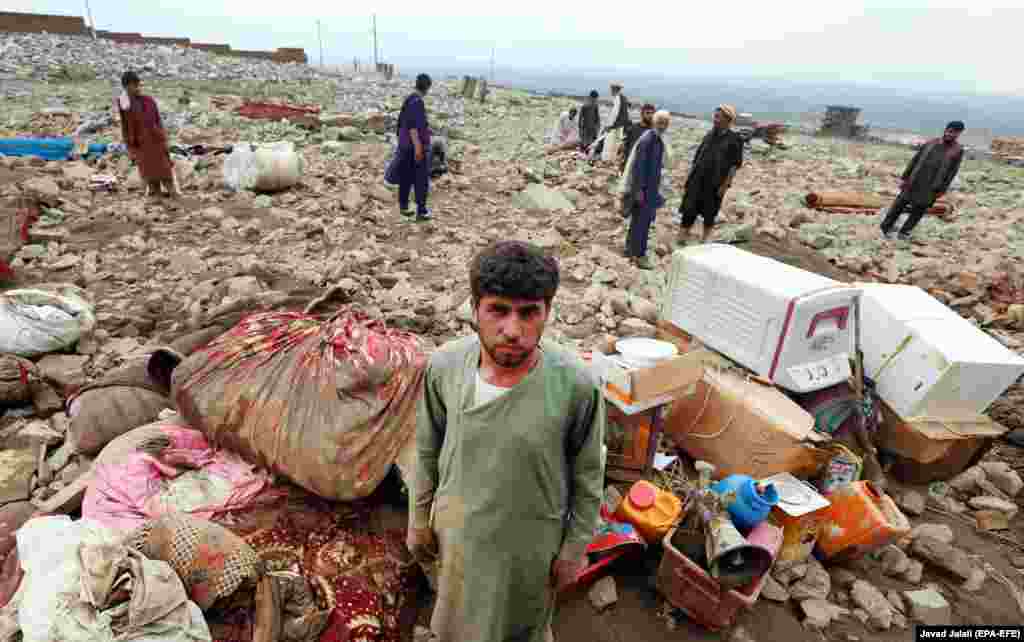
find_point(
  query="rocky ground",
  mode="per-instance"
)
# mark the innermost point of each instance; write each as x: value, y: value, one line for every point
x: 155, y: 270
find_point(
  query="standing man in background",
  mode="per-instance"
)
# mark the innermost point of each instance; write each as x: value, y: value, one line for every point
x: 412, y: 160
x: 926, y: 180
x: 617, y: 122
x: 590, y: 120
x: 633, y: 133
x: 719, y: 156
x: 642, y: 183
x: 509, y: 474
x: 143, y: 134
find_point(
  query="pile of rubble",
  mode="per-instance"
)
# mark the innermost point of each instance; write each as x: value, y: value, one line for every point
x: 80, y: 58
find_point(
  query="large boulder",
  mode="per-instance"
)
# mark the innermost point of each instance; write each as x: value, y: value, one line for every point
x: 539, y: 197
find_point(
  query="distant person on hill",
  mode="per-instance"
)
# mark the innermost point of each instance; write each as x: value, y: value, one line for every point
x: 926, y: 180
x: 633, y: 133
x: 590, y: 120
x: 142, y: 132
x: 714, y: 165
x: 617, y: 122
x: 412, y: 162
x: 641, y: 188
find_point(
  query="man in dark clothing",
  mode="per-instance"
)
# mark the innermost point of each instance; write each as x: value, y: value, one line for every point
x: 719, y: 156
x: 634, y: 131
x: 590, y: 120
x: 643, y: 188
x: 926, y: 180
x: 412, y: 162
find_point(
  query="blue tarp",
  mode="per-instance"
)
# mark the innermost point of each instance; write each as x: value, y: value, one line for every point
x: 47, y: 148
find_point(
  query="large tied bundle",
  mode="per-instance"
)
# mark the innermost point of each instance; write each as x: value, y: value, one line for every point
x: 861, y: 202
x: 328, y: 403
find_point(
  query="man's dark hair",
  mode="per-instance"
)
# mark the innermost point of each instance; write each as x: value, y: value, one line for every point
x: 514, y: 270
x: 648, y: 107
x: 956, y: 125
x: 423, y: 82
x: 129, y: 77
x: 593, y: 93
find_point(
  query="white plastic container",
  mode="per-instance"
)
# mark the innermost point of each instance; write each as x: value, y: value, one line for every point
x: 936, y: 363
x: 788, y: 325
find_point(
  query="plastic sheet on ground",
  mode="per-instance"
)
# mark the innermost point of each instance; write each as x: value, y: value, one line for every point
x: 275, y: 111
x: 327, y: 403
x: 52, y: 149
x: 44, y: 319
x: 174, y: 469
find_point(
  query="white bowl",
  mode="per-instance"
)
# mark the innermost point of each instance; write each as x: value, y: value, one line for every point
x: 642, y: 353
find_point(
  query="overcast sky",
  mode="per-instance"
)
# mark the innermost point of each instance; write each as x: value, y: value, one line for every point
x: 925, y: 44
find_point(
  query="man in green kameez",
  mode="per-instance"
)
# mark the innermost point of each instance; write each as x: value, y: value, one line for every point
x: 510, y: 472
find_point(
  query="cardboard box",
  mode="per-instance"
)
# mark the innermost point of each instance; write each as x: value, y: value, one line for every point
x: 630, y: 385
x: 928, y: 449
x: 744, y: 427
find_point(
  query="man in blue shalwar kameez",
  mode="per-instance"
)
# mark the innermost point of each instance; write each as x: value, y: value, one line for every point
x: 643, y: 180
x: 413, y: 160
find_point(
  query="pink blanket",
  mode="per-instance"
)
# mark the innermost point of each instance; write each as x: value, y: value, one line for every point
x: 189, y: 476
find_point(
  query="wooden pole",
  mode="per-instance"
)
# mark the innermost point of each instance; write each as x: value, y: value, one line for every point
x: 319, y: 36
x: 376, y: 61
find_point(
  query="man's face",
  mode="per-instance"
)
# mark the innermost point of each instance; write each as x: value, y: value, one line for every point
x: 951, y: 135
x: 510, y: 329
x: 719, y: 119
x: 133, y: 88
x: 647, y: 116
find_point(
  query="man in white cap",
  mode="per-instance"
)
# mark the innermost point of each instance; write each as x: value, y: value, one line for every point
x: 617, y: 122
x: 719, y: 156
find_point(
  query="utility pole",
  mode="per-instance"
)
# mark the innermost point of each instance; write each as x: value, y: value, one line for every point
x: 492, y: 64
x: 320, y: 37
x: 376, y: 61
x: 92, y: 23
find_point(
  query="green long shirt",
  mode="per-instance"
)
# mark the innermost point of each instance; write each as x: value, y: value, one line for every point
x: 507, y: 486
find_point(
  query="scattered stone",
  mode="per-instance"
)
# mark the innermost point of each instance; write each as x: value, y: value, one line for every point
x: 816, y: 584
x: 352, y: 199
x: 644, y: 309
x: 928, y: 607
x: 1018, y: 561
x: 896, y: 601
x: 43, y: 189
x: 994, y: 503
x: 788, y: 572
x: 603, y: 593
x: 740, y: 634
x: 911, y: 502
x: 539, y: 197
x: 915, y: 570
x: 843, y: 578
x: 818, y: 614
x: 16, y: 468
x: 1003, y: 477
x: 943, y: 555
x: 65, y: 263
x: 967, y: 481
x: 941, y: 532
x: 869, y: 598
x: 894, y: 561
x: 636, y: 328
x: 975, y: 581
x: 243, y: 286
x: 40, y: 431
x: 773, y: 590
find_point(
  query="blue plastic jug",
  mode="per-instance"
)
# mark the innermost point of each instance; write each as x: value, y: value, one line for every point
x: 750, y: 507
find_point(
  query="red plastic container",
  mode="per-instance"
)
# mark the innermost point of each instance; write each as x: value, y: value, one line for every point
x: 687, y: 586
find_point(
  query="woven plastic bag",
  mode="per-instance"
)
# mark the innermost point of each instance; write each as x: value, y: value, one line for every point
x: 44, y: 319
x: 328, y: 403
x: 268, y: 168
